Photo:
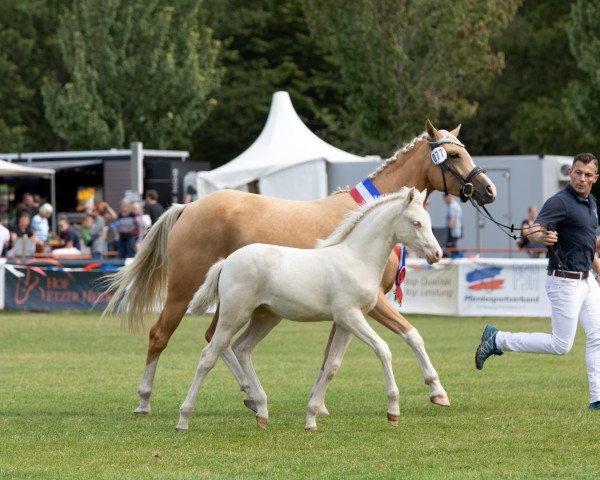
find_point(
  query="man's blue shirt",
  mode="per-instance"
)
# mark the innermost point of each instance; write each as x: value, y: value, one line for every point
x: 576, y: 220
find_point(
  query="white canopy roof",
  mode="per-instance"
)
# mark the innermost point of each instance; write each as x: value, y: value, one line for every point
x: 9, y: 169
x: 284, y: 142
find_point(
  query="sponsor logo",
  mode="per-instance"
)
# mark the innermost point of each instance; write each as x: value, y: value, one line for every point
x: 485, y: 279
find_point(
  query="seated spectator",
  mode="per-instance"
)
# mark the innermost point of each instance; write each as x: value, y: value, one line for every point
x: 39, y: 222
x: 21, y: 229
x: 4, y: 238
x: 68, y: 236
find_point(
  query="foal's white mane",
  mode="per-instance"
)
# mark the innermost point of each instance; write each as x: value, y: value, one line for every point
x: 355, y: 216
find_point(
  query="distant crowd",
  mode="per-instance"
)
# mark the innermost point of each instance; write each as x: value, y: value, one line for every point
x: 100, y: 231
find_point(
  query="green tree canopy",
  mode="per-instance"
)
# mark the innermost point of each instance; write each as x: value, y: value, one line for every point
x: 402, y: 62
x: 138, y: 70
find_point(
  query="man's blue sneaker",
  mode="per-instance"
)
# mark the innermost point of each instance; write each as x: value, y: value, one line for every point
x: 595, y: 406
x: 487, y: 347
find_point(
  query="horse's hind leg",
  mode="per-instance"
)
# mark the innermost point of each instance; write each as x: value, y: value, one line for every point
x: 260, y: 326
x: 333, y: 360
x: 385, y: 314
x: 159, y: 336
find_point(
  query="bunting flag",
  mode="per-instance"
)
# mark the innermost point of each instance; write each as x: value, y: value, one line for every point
x: 362, y: 193
x: 400, y: 251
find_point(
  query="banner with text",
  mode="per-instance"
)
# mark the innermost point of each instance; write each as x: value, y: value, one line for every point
x: 31, y: 287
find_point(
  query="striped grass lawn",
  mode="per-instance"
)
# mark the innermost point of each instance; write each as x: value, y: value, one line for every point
x: 68, y: 389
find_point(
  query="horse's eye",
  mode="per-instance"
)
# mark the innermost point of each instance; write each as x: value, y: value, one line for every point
x: 416, y: 224
x: 454, y: 156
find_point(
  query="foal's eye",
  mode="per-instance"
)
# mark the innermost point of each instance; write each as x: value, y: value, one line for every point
x: 416, y: 224
x: 454, y: 156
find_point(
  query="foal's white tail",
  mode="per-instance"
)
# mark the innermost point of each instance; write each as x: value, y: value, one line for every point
x: 139, y: 289
x: 208, y: 293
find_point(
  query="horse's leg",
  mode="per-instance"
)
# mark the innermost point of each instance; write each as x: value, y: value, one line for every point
x: 322, y: 408
x: 208, y: 358
x: 389, y: 317
x: 355, y: 322
x: 338, y: 346
x: 159, y: 336
x: 232, y: 363
x: 260, y: 326
x: 385, y: 314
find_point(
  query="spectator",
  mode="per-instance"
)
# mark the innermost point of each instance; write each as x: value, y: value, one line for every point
x: 35, y: 205
x: 526, y: 230
x: 144, y: 222
x: 4, y: 238
x: 92, y: 233
x: 21, y: 228
x: 39, y: 222
x: 26, y: 205
x: 453, y: 222
x: 68, y: 236
x: 128, y: 229
x: 152, y: 207
x: 110, y: 217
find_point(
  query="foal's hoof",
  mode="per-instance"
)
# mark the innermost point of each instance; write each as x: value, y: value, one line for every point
x: 393, y: 419
x: 143, y: 411
x: 262, y: 422
x: 441, y: 400
x: 181, y: 428
x: 310, y: 429
x: 251, y: 404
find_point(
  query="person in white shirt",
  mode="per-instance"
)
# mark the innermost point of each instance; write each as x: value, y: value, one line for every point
x: 4, y: 238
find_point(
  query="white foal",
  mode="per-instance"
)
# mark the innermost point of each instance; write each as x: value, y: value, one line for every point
x: 338, y: 281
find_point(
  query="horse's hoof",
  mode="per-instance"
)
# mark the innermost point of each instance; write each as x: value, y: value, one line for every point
x: 441, y: 400
x: 181, y: 429
x: 262, y: 422
x: 143, y: 411
x: 251, y: 404
x: 393, y: 419
x: 310, y: 429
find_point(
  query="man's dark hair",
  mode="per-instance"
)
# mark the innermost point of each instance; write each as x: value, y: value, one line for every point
x: 152, y: 194
x: 585, y: 158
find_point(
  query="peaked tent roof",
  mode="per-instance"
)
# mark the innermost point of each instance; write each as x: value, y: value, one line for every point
x: 285, y: 141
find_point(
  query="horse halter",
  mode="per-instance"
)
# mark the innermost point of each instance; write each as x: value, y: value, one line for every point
x: 439, y: 156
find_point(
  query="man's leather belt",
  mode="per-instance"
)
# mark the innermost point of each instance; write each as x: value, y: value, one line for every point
x: 571, y: 275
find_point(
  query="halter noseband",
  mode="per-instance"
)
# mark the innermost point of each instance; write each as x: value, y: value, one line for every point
x: 439, y: 155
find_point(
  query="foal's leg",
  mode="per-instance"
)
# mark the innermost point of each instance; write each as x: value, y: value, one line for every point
x: 338, y: 346
x: 208, y: 358
x: 355, y: 322
x: 385, y: 314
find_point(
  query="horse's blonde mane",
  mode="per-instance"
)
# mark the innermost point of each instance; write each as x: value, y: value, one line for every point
x: 406, y: 148
x: 353, y: 217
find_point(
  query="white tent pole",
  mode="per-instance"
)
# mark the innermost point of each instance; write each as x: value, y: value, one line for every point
x: 53, y: 200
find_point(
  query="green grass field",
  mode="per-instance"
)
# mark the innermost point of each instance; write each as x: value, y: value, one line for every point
x: 68, y: 389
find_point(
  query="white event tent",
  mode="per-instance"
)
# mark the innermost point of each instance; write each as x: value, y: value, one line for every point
x: 287, y: 160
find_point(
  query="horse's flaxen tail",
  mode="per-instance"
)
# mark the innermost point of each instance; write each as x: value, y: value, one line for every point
x: 139, y: 289
x: 208, y: 293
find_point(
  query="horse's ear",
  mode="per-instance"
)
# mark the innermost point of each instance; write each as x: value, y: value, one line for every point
x: 411, y: 195
x: 456, y: 130
x: 431, y: 131
x: 424, y: 193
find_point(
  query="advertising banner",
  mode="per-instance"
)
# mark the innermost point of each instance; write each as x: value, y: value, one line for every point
x: 52, y: 287
x: 503, y: 287
x: 430, y: 290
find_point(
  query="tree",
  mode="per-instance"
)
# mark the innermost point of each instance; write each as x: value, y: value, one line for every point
x: 28, y: 53
x: 584, y: 40
x: 527, y: 109
x: 137, y: 71
x: 403, y: 62
x: 266, y: 47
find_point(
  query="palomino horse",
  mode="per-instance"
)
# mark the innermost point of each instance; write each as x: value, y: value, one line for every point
x: 311, y: 284
x: 188, y: 239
